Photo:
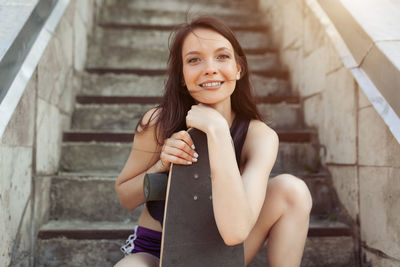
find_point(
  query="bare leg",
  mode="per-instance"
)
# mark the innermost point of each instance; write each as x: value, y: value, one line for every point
x: 138, y: 260
x: 284, y: 218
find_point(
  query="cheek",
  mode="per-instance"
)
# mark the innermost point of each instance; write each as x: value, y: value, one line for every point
x: 189, y: 75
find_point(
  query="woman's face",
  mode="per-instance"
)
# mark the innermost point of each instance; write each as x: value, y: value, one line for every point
x: 210, y: 69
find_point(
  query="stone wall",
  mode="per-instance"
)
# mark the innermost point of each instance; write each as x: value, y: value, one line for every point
x: 31, y: 144
x: 362, y: 155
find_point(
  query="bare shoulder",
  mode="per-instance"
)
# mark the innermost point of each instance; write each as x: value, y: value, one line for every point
x: 149, y: 118
x: 145, y: 135
x: 259, y: 130
x: 260, y: 137
x: 145, y: 149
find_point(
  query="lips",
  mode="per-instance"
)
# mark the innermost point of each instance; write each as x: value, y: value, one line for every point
x: 211, y: 84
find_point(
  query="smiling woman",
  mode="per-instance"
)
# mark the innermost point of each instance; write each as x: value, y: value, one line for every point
x: 208, y: 89
x: 210, y: 69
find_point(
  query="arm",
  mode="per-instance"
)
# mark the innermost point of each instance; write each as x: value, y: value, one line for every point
x: 144, y: 157
x: 147, y: 156
x: 237, y: 197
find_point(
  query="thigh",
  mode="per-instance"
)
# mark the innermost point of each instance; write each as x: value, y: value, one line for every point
x: 140, y: 259
x: 275, y: 204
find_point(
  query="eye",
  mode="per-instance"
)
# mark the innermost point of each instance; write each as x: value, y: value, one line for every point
x: 193, y: 60
x: 223, y: 56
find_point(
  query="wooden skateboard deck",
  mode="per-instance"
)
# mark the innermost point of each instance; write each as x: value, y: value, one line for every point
x: 190, y: 234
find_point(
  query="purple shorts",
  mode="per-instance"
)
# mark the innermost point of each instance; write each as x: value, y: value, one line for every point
x: 143, y: 240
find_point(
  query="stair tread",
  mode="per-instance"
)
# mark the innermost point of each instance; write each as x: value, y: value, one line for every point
x: 79, y: 229
x: 126, y: 99
x: 72, y: 131
x: 278, y: 73
x: 323, y: 174
x: 152, y: 86
x: 86, y: 135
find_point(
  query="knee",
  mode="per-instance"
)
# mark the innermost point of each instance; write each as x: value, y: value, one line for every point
x: 295, y: 192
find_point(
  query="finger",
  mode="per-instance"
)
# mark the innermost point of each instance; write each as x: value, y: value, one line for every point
x: 173, y: 159
x: 179, y: 153
x: 185, y: 136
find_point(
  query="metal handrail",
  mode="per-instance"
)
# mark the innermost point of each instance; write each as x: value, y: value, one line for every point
x: 18, y: 48
x: 375, y: 72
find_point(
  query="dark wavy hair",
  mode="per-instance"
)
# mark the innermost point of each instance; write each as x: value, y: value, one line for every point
x: 170, y: 114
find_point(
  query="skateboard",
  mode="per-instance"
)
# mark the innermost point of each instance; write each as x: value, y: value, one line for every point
x: 190, y: 235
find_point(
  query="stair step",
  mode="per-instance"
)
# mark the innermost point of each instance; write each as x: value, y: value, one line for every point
x: 171, y: 13
x: 320, y: 251
x: 96, y: 195
x: 93, y: 99
x: 79, y: 229
x: 111, y: 84
x: 216, y: 6
x: 156, y: 60
x: 110, y: 117
x: 299, y: 136
x: 107, y: 40
x: 277, y: 74
x: 78, y: 243
x: 111, y: 157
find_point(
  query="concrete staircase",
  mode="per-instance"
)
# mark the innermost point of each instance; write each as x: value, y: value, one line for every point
x: 124, y: 77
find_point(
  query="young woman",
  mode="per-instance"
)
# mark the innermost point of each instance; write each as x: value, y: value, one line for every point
x: 208, y: 88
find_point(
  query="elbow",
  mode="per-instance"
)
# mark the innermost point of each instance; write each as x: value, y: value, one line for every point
x: 126, y: 205
x: 235, y: 239
x: 238, y: 234
x: 122, y: 200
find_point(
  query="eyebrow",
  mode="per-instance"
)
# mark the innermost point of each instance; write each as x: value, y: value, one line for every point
x: 217, y: 50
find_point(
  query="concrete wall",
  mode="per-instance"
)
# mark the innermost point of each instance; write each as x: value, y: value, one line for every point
x: 362, y: 155
x: 31, y: 144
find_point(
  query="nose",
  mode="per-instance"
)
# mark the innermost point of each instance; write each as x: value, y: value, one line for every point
x: 210, y: 68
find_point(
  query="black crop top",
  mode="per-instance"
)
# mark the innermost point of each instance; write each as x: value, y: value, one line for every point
x: 238, y: 131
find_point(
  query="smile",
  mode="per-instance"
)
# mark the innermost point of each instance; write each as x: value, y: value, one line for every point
x: 211, y: 84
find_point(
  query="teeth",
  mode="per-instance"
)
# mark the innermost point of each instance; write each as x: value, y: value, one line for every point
x: 211, y: 84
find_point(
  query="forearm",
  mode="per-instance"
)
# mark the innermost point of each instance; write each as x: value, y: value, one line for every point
x: 232, y: 211
x: 130, y: 192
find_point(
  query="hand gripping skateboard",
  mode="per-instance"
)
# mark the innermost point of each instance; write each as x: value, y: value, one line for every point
x: 190, y: 235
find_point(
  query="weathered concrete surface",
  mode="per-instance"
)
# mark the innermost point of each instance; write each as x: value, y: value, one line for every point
x: 48, y: 138
x: 379, y: 208
x: 97, y: 200
x: 141, y: 85
x: 15, y: 203
x: 108, y: 117
x: 175, y: 12
x: 363, y: 101
x: 110, y: 38
x: 111, y: 157
x: 31, y: 143
x: 340, y: 126
x: 126, y: 117
x: 318, y: 253
x: 77, y: 253
x: 346, y: 184
x: 71, y: 252
x: 15, y: 181
x: 313, y: 112
x: 122, y: 85
x: 20, y: 129
x: 136, y: 58
x: 281, y: 115
x: 96, y: 194
x: 183, y: 5
x: 377, y: 145
x: 371, y: 259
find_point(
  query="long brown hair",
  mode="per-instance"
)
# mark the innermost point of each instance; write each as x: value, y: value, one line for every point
x: 176, y: 102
